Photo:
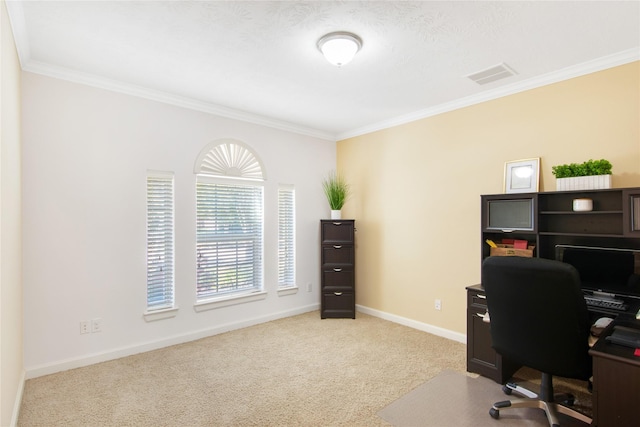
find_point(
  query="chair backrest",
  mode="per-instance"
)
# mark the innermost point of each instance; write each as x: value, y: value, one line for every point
x: 538, y: 314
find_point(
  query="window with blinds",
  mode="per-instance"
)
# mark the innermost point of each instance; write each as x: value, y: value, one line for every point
x: 286, y: 237
x: 229, y: 238
x: 160, y: 241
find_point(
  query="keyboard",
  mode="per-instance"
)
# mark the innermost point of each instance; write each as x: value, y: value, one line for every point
x: 613, y: 304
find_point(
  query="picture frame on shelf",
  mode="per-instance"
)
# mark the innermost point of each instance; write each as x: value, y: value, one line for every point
x: 522, y: 176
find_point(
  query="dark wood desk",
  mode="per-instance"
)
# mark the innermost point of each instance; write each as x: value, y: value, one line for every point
x: 616, y: 380
x: 616, y: 371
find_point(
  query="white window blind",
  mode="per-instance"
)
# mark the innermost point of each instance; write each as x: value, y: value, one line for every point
x: 160, y: 241
x: 286, y: 237
x: 228, y: 238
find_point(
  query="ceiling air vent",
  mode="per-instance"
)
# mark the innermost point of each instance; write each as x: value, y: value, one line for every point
x: 492, y: 74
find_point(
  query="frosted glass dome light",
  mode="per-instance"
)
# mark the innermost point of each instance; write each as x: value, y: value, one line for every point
x: 340, y: 47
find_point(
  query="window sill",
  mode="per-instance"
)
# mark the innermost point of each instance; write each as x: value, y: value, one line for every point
x: 165, y: 313
x: 211, y: 304
x: 288, y: 291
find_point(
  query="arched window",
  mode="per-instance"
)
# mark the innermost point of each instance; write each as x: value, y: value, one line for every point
x: 229, y: 158
x: 229, y: 227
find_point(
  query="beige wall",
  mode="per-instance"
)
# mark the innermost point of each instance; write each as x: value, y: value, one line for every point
x: 11, y: 362
x: 417, y: 186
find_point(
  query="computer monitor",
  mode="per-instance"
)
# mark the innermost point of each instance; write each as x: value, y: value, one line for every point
x: 612, y: 271
x: 510, y: 214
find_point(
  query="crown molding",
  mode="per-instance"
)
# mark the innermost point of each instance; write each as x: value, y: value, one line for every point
x: 18, y: 26
x: 19, y: 29
x: 168, y: 98
x: 589, y: 67
x: 603, y: 63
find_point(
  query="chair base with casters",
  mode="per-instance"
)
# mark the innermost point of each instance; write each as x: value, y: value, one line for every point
x: 549, y: 402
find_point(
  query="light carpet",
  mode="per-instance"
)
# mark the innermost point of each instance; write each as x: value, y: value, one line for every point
x: 298, y: 371
x: 462, y: 400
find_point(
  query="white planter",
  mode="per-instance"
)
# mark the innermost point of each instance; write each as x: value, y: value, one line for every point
x: 594, y: 182
x: 336, y: 214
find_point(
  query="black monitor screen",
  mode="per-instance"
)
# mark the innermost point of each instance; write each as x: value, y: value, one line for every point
x: 512, y: 214
x: 610, y: 270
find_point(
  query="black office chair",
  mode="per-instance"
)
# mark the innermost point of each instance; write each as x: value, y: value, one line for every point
x: 539, y: 319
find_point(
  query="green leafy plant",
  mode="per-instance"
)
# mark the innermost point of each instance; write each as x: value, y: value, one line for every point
x: 336, y: 189
x: 588, y: 168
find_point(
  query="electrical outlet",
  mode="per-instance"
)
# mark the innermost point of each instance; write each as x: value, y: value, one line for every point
x: 309, y: 287
x: 96, y: 325
x: 84, y: 327
x: 438, y: 304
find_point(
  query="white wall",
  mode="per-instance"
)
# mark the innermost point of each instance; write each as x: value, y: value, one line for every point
x: 86, y: 154
x: 11, y: 355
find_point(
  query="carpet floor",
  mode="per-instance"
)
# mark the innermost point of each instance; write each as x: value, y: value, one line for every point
x: 298, y: 371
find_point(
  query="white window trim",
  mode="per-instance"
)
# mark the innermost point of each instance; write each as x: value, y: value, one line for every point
x: 291, y: 290
x: 166, y: 313
x: 228, y: 300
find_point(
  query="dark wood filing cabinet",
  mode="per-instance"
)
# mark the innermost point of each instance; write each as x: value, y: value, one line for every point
x: 337, y: 282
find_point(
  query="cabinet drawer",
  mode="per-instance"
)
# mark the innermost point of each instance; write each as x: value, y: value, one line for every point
x: 338, y: 279
x: 339, y: 231
x: 338, y: 254
x: 476, y: 300
x: 479, y: 349
x: 338, y: 304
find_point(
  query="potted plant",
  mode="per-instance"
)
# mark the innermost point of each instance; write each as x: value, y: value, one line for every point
x: 337, y: 191
x: 590, y: 175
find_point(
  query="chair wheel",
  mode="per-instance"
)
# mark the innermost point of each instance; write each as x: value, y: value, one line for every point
x: 495, y: 413
x: 506, y: 390
x: 570, y: 401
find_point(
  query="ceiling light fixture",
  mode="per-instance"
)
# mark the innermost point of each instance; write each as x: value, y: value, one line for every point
x: 339, y: 47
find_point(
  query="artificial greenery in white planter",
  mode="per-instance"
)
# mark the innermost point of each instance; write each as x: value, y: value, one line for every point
x: 590, y: 175
x: 337, y: 191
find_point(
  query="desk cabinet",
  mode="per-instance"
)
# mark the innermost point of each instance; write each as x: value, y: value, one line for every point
x: 616, y: 383
x: 481, y: 357
x: 337, y: 282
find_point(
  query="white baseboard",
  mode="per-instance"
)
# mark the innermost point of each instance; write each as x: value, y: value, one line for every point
x: 90, y: 359
x: 425, y: 327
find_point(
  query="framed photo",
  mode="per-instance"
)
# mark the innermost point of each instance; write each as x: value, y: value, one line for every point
x: 522, y: 176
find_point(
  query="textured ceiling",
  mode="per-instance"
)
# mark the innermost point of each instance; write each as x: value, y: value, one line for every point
x: 258, y: 60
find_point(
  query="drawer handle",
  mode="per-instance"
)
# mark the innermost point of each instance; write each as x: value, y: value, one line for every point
x: 485, y: 317
x: 337, y: 269
x: 337, y: 246
x: 337, y: 223
x: 337, y: 293
x: 481, y: 296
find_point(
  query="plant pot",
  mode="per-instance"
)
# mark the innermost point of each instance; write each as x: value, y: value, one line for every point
x: 336, y: 214
x: 593, y: 182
